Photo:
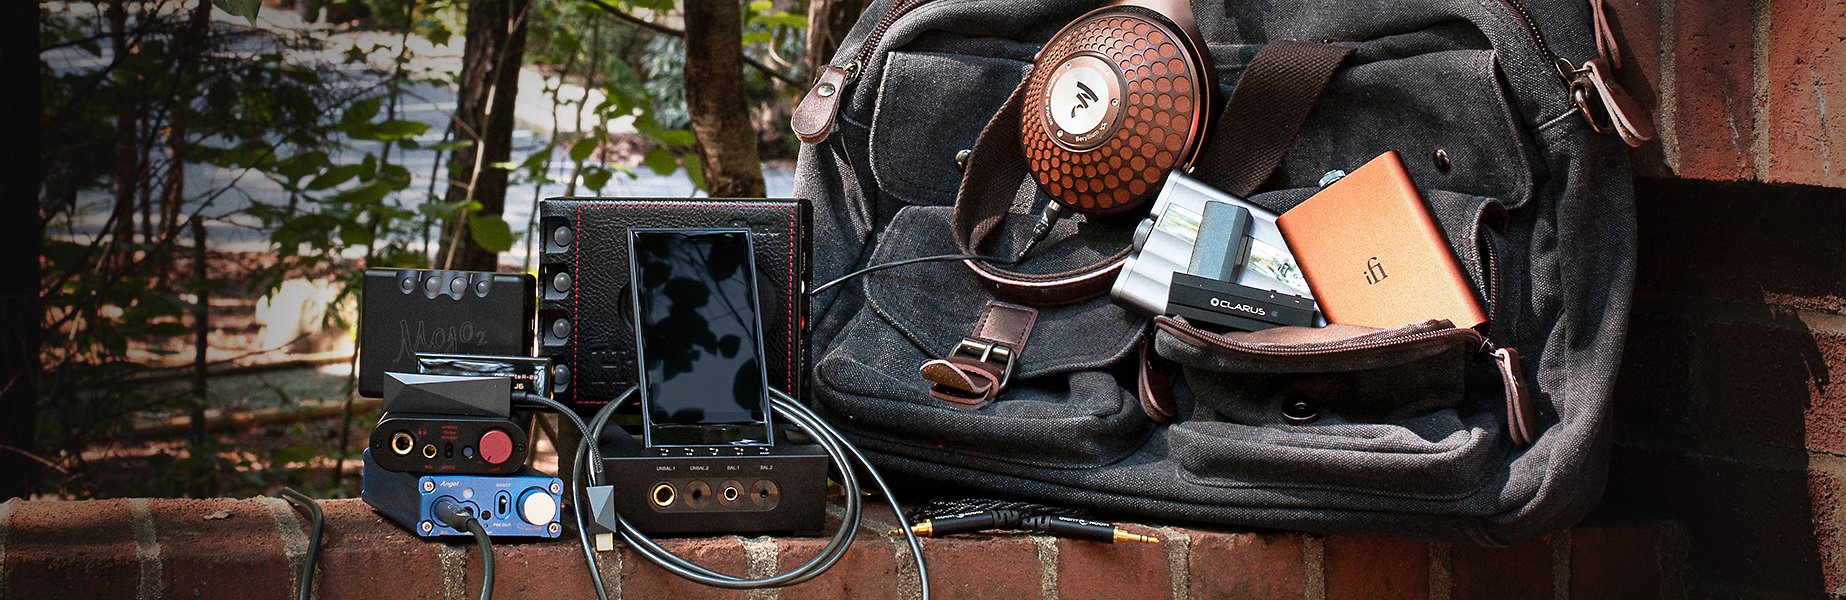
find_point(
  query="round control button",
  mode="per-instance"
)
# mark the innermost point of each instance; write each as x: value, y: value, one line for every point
x: 561, y: 236
x: 496, y: 446
x: 433, y: 284
x: 407, y: 285
x: 560, y: 378
x: 561, y: 282
x: 456, y: 284
x: 537, y: 507
x: 560, y: 328
x: 480, y: 287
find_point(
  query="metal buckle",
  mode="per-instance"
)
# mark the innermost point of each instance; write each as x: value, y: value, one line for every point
x: 986, y: 352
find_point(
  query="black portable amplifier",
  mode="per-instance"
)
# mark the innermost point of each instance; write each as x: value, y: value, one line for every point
x: 407, y: 311
x: 585, y: 315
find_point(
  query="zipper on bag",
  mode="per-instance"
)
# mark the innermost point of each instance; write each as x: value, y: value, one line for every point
x: 1602, y: 102
x: 813, y: 120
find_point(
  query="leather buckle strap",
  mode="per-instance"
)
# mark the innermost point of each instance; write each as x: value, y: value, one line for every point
x: 974, y: 373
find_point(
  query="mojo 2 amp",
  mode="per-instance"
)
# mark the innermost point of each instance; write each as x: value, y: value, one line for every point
x: 407, y: 311
x: 525, y: 504
x: 445, y: 444
x: 585, y: 319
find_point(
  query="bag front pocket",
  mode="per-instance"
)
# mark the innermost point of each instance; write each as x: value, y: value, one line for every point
x: 1386, y: 412
x: 1066, y: 405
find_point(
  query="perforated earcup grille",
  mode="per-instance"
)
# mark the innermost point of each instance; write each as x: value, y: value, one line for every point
x: 1152, y: 126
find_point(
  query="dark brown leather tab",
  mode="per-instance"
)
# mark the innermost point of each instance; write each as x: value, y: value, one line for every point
x: 977, y: 369
x: 1521, y: 422
x: 1152, y: 387
x: 814, y: 117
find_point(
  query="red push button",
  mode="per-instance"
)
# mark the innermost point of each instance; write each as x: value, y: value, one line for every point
x: 496, y: 446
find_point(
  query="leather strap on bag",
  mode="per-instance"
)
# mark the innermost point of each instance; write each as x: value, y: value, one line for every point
x: 1271, y: 101
x: 976, y: 371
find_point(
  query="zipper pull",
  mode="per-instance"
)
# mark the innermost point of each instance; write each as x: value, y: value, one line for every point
x: 1606, y: 46
x: 1521, y: 422
x: 1605, y: 104
x: 814, y: 117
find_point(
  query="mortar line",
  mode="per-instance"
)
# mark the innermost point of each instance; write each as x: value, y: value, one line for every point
x: 147, y: 549
x: 908, y: 586
x: 6, y: 520
x: 1179, y: 561
x: 1441, y: 572
x: 454, y: 562
x: 1667, y: 127
x: 611, y: 574
x: 1047, y: 550
x: 762, y: 560
x: 1560, y: 565
x: 1759, y: 88
x: 294, y: 542
x: 1314, y: 563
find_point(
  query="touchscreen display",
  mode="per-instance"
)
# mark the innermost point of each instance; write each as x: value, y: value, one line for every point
x: 699, y: 337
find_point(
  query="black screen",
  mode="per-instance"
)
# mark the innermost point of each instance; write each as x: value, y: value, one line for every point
x: 699, y: 337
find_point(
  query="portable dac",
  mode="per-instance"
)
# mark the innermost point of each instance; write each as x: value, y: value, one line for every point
x: 449, y: 444
x: 407, y: 311
x: 1116, y: 100
x: 526, y: 504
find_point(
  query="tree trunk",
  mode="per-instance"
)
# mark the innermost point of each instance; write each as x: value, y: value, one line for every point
x: 127, y: 161
x: 715, y: 100
x: 828, y: 22
x: 20, y: 249
x: 496, y: 44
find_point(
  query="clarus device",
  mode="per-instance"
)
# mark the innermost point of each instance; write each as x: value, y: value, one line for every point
x: 690, y: 490
x: 586, y: 308
x: 407, y: 311
x: 528, y: 375
x: 445, y: 444
x: 525, y: 504
x: 1233, y: 306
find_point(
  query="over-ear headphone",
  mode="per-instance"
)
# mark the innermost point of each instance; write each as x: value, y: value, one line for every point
x: 1116, y: 100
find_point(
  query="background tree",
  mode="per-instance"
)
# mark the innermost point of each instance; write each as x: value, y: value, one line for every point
x: 715, y: 100
x: 20, y: 247
x: 489, y: 83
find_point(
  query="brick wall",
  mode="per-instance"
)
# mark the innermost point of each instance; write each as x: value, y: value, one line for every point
x: 255, y: 548
x: 1731, y: 406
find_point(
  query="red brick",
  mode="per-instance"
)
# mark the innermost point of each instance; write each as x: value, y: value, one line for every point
x: 71, y: 550
x: 643, y: 579
x: 201, y: 540
x: 1653, y: 398
x: 534, y: 569
x: 1698, y: 239
x: 983, y: 567
x: 1827, y: 490
x: 1512, y: 573
x: 1097, y: 570
x: 1778, y: 397
x: 1807, y: 92
x: 1258, y: 566
x: 1376, y: 568
x: 362, y: 553
x: 869, y: 569
x: 1714, y: 90
x: 1747, y: 524
x: 1619, y: 561
x: 1637, y: 26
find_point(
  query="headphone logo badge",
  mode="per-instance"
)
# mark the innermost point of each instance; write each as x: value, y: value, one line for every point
x: 1083, y: 98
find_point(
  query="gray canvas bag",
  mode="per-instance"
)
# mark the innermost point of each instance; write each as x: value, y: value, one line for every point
x: 1413, y: 433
